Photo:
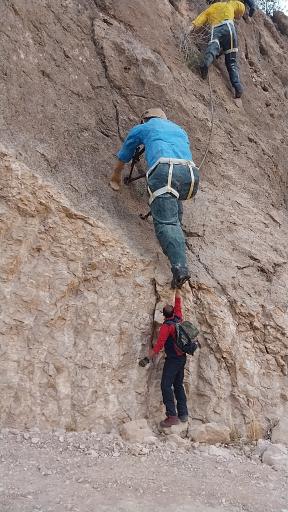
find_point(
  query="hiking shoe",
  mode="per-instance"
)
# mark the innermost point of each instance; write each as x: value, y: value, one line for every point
x: 183, y: 418
x: 180, y: 276
x: 203, y: 68
x: 169, y: 422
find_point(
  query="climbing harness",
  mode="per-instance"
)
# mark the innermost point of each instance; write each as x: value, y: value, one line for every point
x: 168, y: 188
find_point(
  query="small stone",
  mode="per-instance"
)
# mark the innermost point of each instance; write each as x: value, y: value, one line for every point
x: 26, y: 436
x: 46, y: 472
x: 61, y: 439
x: 179, y: 441
x: 92, y: 453
x: 35, y: 440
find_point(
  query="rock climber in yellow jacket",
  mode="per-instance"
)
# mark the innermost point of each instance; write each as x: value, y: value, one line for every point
x: 220, y: 16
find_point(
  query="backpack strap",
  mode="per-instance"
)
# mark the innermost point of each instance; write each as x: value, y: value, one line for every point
x: 174, y: 320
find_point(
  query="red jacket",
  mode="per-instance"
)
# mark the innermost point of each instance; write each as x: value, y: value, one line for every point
x: 169, y: 330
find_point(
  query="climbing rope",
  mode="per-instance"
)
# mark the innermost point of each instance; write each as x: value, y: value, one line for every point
x: 211, y: 122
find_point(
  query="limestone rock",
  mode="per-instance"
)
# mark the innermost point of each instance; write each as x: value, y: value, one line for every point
x: 280, y: 432
x: 210, y: 433
x: 276, y: 456
x: 136, y: 431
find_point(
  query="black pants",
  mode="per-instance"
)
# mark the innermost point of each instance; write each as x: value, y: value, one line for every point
x: 172, y: 377
x: 224, y: 39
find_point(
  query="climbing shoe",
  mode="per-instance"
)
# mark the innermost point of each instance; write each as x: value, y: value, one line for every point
x: 203, y: 68
x: 238, y: 92
x: 183, y: 418
x: 169, y: 422
x: 180, y: 276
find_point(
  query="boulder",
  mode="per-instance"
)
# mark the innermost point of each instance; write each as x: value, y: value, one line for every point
x: 280, y: 432
x: 210, y: 433
x: 276, y: 456
x: 136, y: 431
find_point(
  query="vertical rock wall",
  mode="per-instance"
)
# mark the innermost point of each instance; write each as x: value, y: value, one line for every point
x: 78, y: 290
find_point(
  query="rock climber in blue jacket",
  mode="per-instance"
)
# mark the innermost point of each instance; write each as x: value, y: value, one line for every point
x: 171, y: 178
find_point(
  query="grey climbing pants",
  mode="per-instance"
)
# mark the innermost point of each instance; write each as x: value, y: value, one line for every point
x: 167, y: 210
x: 224, y: 39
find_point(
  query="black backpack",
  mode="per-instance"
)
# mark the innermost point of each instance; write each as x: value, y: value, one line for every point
x: 186, y: 334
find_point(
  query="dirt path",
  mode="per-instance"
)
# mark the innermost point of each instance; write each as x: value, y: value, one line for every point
x: 87, y: 473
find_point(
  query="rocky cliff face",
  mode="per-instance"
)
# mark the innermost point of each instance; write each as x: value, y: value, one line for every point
x: 81, y: 275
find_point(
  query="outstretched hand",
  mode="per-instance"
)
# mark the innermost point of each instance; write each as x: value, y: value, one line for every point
x: 115, y: 181
x: 115, y: 184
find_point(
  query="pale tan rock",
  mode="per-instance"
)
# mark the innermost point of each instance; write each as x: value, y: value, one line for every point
x: 210, y: 433
x: 136, y: 431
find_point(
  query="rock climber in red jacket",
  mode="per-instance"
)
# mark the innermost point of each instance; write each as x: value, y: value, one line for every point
x: 173, y: 371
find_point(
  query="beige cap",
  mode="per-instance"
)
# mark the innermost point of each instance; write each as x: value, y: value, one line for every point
x: 153, y: 112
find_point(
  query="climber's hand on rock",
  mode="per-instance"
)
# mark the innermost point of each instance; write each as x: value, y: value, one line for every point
x: 115, y: 181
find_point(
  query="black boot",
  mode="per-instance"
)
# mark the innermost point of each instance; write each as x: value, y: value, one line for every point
x: 180, y: 276
x: 238, y: 92
x: 203, y: 68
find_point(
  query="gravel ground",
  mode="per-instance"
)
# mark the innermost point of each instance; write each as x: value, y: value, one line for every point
x: 58, y: 472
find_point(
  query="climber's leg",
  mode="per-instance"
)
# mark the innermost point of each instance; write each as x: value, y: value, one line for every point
x: 166, y: 210
x: 169, y: 233
x: 232, y: 68
x: 230, y: 47
x: 180, y: 211
x: 212, y: 51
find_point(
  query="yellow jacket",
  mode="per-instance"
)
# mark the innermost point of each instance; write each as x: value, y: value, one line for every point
x: 220, y: 11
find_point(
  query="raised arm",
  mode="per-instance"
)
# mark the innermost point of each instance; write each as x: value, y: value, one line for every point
x: 239, y: 9
x: 201, y: 20
x: 161, y: 340
x: 178, y: 305
x: 132, y: 141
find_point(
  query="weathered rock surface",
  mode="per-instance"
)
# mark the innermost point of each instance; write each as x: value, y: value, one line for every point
x: 77, y: 293
x: 209, y: 433
x: 68, y: 347
x: 281, y: 20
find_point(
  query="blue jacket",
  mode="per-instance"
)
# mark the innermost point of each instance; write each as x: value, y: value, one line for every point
x: 161, y: 138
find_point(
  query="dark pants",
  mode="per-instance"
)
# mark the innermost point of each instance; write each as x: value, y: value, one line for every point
x: 224, y: 39
x: 173, y: 376
x: 167, y: 211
